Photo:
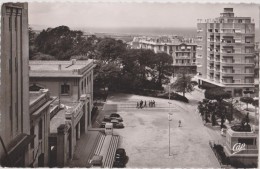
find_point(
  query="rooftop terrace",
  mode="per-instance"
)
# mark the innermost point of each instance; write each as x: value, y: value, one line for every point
x: 73, y: 68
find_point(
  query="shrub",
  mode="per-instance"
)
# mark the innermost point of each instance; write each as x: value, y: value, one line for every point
x: 240, y: 128
x: 174, y: 96
x: 221, y: 154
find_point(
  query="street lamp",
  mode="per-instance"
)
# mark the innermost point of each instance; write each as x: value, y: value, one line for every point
x: 169, y: 118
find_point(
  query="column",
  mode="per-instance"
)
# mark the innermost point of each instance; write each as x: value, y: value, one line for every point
x: 78, y: 131
x: 62, y: 145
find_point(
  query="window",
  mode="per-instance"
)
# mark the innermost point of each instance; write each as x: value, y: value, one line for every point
x: 65, y: 89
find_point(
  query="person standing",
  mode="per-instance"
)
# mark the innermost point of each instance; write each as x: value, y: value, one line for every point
x: 145, y: 103
x: 179, y: 123
x: 141, y: 104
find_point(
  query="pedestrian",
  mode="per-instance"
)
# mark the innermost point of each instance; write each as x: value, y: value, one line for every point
x: 179, y: 123
x: 145, y: 103
x: 141, y: 104
x: 153, y: 103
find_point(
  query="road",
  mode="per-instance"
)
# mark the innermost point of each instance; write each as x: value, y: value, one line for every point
x: 146, y: 133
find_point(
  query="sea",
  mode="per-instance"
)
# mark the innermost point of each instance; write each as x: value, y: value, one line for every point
x: 130, y: 32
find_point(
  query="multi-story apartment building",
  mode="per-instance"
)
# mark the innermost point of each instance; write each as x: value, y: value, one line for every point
x: 225, y: 52
x: 183, y: 52
x: 15, y: 120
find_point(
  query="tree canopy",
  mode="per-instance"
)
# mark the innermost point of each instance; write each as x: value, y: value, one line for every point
x: 216, y: 94
x: 62, y: 43
x: 247, y: 100
x: 128, y: 69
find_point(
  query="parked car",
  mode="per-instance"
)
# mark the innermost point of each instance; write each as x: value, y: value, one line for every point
x: 120, y: 158
x: 117, y: 124
x: 116, y: 116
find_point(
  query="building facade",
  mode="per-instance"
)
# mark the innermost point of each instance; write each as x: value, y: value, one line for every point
x: 70, y: 116
x: 40, y: 108
x: 182, y: 51
x: 15, y: 124
x: 225, y: 52
x: 68, y: 80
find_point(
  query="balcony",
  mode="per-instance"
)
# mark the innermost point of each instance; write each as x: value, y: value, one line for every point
x: 217, y: 60
x: 238, y: 82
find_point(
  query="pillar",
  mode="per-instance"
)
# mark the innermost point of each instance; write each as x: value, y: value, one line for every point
x: 62, y: 145
x: 84, y: 100
x: 78, y: 131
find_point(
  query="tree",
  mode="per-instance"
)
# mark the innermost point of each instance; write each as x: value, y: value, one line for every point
x: 163, y: 67
x: 32, y: 37
x: 183, y: 84
x: 217, y: 94
x: 105, y: 74
x: 62, y: 43
x: 203, y: 108
x: 247, y: 100
x: 109, y: 49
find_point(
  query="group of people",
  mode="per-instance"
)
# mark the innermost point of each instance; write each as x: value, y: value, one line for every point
x: 142, y: 104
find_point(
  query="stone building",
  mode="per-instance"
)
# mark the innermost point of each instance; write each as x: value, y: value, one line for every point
x: 14, y: 123
x: 226, y: 52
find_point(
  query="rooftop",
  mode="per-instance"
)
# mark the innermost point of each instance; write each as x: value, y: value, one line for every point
x: 50, y: 68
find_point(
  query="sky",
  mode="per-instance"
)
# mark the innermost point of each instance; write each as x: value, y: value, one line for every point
x: 93, y: 14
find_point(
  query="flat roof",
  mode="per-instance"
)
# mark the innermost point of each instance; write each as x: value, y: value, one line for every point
x: 56, y: 68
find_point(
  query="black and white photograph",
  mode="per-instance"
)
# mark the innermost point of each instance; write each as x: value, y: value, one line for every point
x: 96, y: 84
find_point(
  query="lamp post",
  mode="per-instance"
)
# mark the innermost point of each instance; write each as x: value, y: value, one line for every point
x: 169, y: 119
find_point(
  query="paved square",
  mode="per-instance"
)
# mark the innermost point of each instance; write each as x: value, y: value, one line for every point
x: 146, y: 133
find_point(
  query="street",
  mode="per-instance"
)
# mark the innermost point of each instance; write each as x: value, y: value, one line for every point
x: 146, y: 133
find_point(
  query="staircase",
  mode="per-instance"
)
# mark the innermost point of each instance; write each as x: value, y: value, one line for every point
x: 109, y: 160
x: 97, y: 146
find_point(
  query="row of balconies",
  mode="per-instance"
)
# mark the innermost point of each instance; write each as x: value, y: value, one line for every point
x: 237, y: 81
x: 229, y: 71
x: 231, y: 61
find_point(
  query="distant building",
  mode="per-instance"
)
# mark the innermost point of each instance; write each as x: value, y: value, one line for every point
x: 183, y: 51
x: 225, y: 52
x: 15, y: 124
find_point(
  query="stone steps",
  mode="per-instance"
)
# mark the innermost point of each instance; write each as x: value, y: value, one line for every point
x: 108, y: 163
x: 94, y: 147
